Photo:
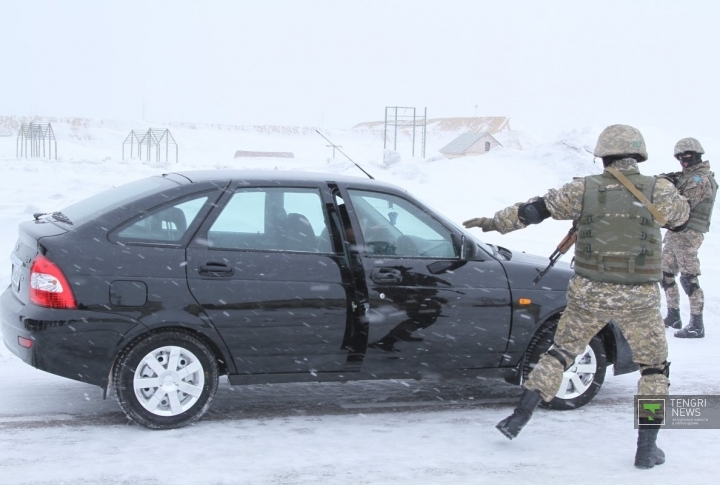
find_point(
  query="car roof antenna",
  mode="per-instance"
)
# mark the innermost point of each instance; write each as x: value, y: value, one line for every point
x: 338, y: 149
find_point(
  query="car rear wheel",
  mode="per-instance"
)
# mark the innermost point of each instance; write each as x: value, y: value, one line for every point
x: 166, y: 380
x: 582, y: 381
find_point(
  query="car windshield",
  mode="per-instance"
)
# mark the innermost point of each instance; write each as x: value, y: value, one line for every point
x: 101, y: 203
x: 486, y: 247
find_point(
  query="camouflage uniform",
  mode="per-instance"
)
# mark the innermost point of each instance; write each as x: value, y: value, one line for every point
x: 680, y: 249
x: 617, y: 269
x: 592, y: 304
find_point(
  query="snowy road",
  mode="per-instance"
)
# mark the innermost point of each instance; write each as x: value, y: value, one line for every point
x: 42, y: 400
x: 60, y: 432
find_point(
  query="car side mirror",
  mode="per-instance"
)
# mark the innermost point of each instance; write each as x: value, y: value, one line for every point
x: 465, y: 247
x: 462, y: 246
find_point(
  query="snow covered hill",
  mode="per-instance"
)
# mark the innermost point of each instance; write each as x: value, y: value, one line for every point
x: 56, y: 431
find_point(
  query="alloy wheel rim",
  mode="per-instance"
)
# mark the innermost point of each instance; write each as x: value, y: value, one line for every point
x: 168, y: 381
x: 578, y: 378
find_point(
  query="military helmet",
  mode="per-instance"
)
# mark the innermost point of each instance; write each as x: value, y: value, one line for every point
x: 688, y: 145
x: 616, y: 140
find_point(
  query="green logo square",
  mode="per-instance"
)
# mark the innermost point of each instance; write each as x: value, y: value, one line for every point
x: 652, y: 410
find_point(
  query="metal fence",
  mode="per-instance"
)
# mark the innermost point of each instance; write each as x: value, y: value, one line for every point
x: 155, y: 141
x: 36, y: 140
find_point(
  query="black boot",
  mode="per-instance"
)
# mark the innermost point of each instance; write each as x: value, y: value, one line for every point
x: 513, y: 424
x: 673, y: 318
x: 694, y: 329
x: 648, y: 454
x: 387, y: 344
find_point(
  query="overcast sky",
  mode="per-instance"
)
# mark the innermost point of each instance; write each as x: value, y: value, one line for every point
x: 550, y: 65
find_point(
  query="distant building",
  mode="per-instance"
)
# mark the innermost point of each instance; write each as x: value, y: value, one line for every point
x: 244, y: 153
x: 469, y: 144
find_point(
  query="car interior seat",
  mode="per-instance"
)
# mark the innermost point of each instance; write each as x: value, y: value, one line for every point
x: 170, y: 224
x: 174, y: 218
x: 299, y: 233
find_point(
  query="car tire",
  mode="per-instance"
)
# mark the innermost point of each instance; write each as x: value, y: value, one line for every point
x: 166, y: 380
x: 582, y: 381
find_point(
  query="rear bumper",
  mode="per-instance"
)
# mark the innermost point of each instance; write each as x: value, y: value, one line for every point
x: 12, y: 329
x: 77, y: 344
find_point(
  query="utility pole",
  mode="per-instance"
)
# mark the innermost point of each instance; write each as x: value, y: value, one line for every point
x: 334, y: 147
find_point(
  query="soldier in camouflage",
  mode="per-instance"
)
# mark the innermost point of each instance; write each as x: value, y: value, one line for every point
x: 680, y: 248
x: 617, y: 270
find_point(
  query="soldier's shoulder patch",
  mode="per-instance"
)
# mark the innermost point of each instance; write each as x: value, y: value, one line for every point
x: 697, y: 179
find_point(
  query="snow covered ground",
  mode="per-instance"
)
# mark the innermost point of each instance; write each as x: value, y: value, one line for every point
x: 57, y: 431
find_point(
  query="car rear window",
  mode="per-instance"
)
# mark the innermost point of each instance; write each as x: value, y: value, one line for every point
x: 168, y: 224
x: 103, y: 202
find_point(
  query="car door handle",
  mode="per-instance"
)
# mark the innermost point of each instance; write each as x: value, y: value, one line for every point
x: 216, y: 269
x: 386, y: 275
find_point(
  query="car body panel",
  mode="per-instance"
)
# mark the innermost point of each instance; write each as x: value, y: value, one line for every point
x: 547, y: 298
x: 77, y: 344
x: 436, y: 322
x: 96, y: 269
x: 278, y: 315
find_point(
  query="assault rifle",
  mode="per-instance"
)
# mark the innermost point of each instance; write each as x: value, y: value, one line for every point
x: 562, y: 248
x: 673, y: 177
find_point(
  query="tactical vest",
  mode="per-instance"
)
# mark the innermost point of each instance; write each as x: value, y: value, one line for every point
x: 618, y: 241
x: 700, y: 214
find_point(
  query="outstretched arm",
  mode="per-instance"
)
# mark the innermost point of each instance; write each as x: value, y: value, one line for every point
x: 564, y: 203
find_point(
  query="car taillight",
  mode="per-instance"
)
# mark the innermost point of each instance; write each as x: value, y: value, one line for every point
x: 48, y: 285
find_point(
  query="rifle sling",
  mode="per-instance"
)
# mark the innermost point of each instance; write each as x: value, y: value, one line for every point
x: 639, y: 195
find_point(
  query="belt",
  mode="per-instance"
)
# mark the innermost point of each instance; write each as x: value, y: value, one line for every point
x: 613, y: 269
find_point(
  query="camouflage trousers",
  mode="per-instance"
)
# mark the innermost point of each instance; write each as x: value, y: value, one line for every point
x: 635, y: 309
x: 680, y: 255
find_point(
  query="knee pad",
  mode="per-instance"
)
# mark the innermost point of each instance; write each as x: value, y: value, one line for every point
x: 565, y: 358
x: 689, y: 283
x: 668, y: 280
x: 664, y: 370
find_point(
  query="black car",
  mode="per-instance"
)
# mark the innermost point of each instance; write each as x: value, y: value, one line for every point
x: 159, y: 286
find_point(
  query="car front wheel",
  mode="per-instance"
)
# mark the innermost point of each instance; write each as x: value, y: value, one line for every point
x: 582, y: 381
x: 166, y: 380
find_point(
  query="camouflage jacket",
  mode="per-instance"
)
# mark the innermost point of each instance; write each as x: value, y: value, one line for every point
x: 565, y: 203
x: 604, y: 299
x: 696, y: 185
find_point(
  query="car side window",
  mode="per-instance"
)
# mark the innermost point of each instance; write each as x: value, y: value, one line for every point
x: 271, y: 218
x: 168, y: 224
x: 391, y: 225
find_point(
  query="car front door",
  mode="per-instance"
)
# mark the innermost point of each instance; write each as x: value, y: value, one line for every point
x: 429, y: 310
x: 264, y: 269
